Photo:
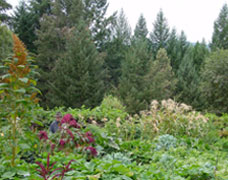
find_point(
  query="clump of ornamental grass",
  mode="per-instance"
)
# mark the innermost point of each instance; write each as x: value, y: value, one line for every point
x: 170, y: 117
x: 70, y: 137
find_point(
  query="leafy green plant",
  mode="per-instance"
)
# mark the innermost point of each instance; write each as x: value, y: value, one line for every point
x: 166, y: 142
x: 17, y: 92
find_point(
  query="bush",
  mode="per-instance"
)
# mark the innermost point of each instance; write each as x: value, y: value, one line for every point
x: 169, y: 117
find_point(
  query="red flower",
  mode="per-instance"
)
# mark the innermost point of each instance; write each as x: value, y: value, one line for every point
x: 67, y: 118
x: 62, y: 142
x: 92, y: 150
x: 70, y: 133
x: 43, y: 135
x: 73, y: 123
x: 52, y: 147
x: 89, y: 136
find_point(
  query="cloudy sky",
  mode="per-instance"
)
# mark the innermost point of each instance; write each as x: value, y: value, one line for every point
x: 194, y: 17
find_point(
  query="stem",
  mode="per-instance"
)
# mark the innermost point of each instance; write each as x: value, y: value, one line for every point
x: 14, y: 139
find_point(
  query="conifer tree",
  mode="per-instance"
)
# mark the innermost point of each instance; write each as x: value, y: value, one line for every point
x: 188, y: 75
x: 26, y: 21
x: 79, y: 75
x: 141, y: 30
x: 100, y: 25
x: 182, y: 47
x: 160, y: 34
x: 214, y: 81
x: 4, y: 6
x: 200, y: 53
x: 188, y: 81
x: 172, y: 47
x: 131, y: 89
x: 220, y: 34
x: 116, y: 48
x: 160, y: 79
x: 52, y: 39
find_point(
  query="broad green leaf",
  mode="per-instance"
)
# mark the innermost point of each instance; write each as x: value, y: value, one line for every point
x: 8, y: 174
x: 22, y: 90
x: 2, y: 85
x: 25, y: 80
x: 21, y: 66
x: 38, y: 122
x: 24, y: 146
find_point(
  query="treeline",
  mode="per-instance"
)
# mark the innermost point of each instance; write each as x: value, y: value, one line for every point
x: 83, y: 54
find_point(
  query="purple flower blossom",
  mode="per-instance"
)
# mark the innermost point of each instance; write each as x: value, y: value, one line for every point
x: 92, y: 150
x: 43, y: 135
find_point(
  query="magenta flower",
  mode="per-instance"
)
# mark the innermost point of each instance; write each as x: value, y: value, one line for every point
x: 43, y: 135
x: 66, y: 118
x: 92, y: 150
x: 62, y: 142
x: 90, y: 139
x: 52, y: 147
x: 89, y: 136
x: 70, y: 133
x: 73, y: 123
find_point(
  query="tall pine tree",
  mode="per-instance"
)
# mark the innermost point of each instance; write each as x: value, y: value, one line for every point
x: 160, y: 34
x: 160, y: 80
x: 4, y: 6
x: 141, y: 30
x: 220, y: 34
x: 132, y: 86
x: 116, y: 49
x: 79, y: 75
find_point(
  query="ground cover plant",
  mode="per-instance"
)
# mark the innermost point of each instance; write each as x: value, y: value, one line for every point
x: 119, y: 154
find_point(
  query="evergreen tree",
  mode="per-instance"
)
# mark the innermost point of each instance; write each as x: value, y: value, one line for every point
x: 188, y: 81
x: 160, y: 79
x: 6, y: 42
x: 172, y: 47
x: 116, y: 49
x: 182, y: 47
x: 141, y: 30
x: 160, y: 34
x: 214, y: 81
x: 100, y: 25
x: 79, y: 75
x: 4, y: 6
x: 131, y: 89
x: 200, y: 52
x: 220, y: 34
x: 52, y: 39
x: 26, y: 21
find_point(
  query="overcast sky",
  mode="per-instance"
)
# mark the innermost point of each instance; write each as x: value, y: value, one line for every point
x: 194, y: 17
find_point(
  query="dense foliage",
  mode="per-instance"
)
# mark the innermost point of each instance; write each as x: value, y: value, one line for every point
x: 128, y: 106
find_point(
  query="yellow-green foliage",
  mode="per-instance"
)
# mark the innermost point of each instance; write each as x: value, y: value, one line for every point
x: 6, y: 42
